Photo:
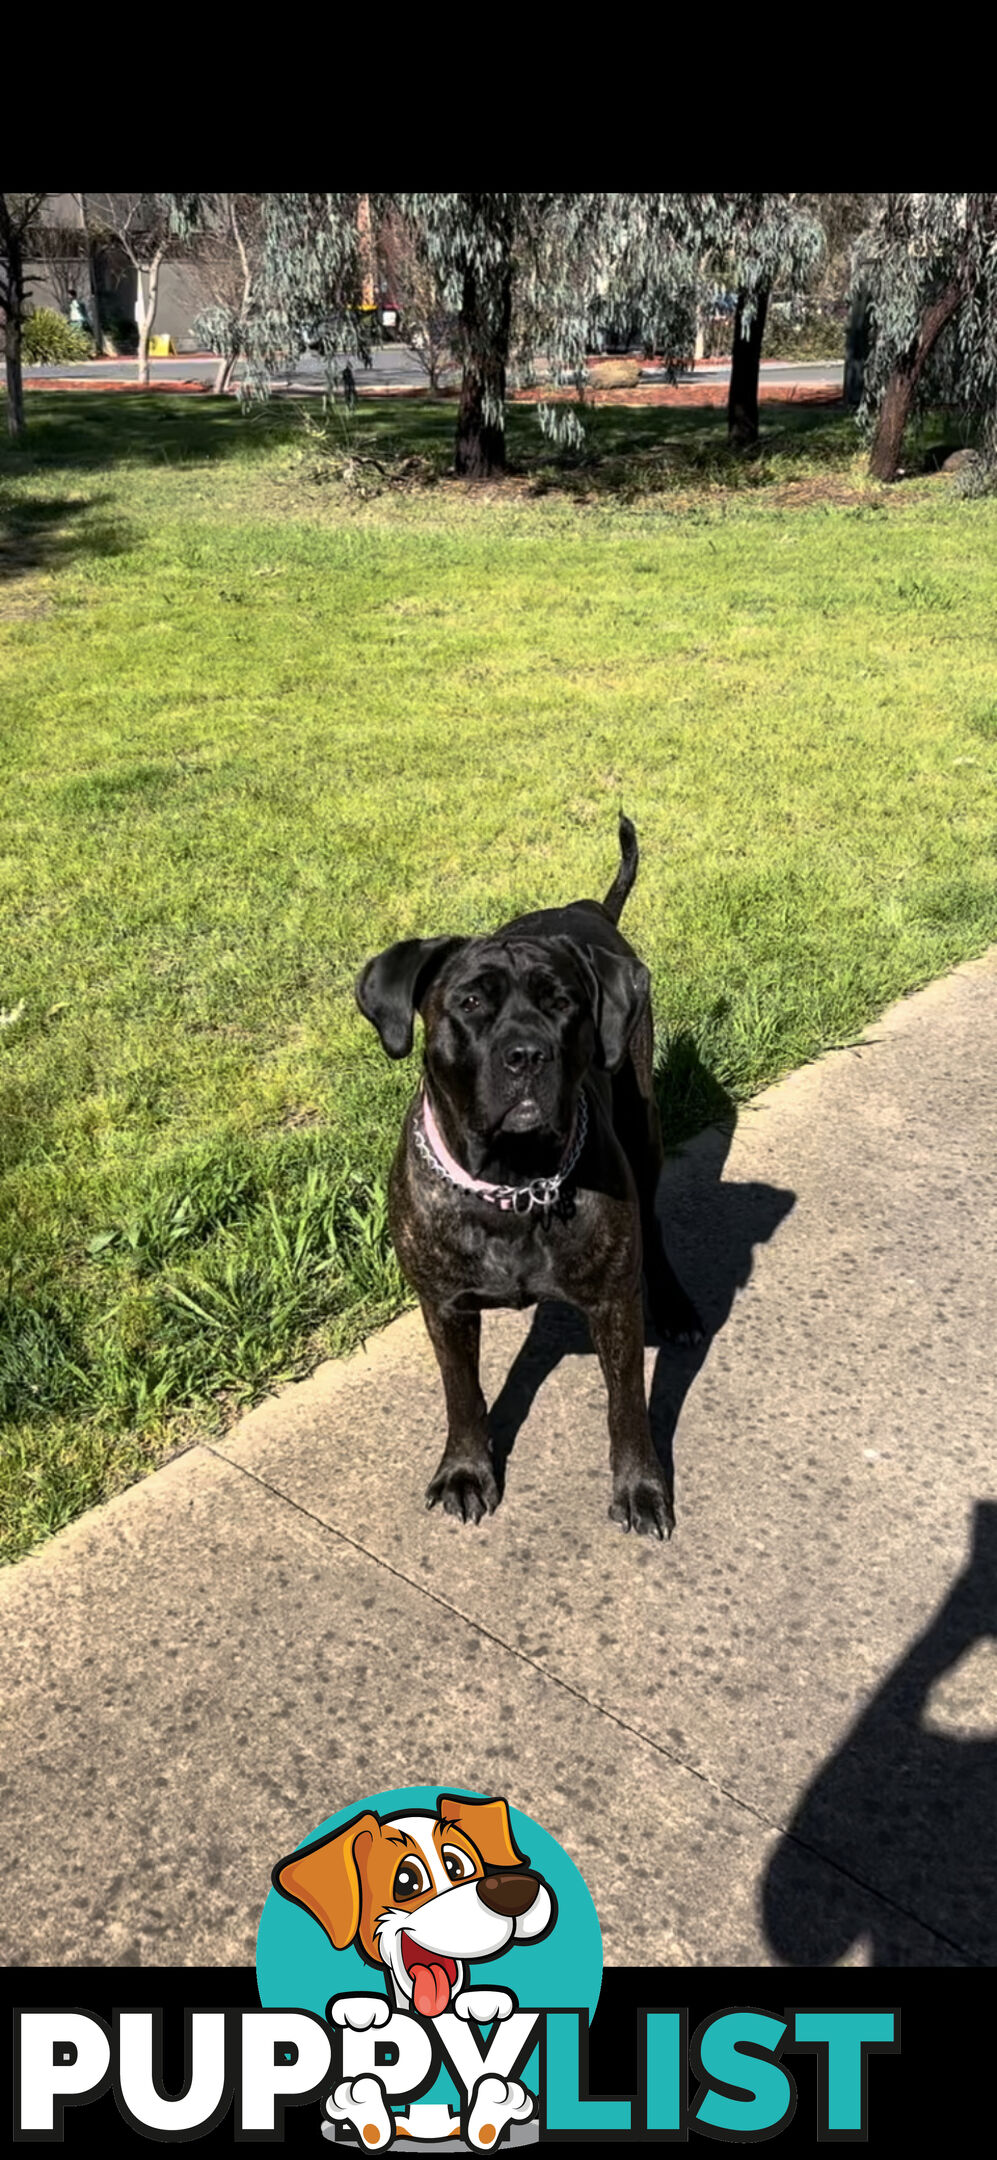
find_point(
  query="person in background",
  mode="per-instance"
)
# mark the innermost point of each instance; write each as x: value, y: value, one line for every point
x: 77, y: 313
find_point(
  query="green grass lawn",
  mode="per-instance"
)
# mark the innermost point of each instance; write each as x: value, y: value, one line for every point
x: 256, y: 724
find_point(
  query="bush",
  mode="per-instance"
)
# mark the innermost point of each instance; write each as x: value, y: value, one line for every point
x: 613, y: 374
x: 48, y: 336
x: 803, y: 332
x: 976, y: 475
x: 813, y: 334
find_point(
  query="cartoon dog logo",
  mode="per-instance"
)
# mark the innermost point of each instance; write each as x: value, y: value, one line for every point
x: 423, y: 1896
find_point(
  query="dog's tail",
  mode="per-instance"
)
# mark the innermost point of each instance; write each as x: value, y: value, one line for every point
x: 623, y: 882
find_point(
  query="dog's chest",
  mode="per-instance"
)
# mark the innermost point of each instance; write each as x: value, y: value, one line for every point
x: 507, y: 1264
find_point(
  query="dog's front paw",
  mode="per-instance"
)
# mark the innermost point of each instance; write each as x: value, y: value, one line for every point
x: 359, y: 2012
x: 361, y: 2103
x: 642, y: 1502
x: 496, y: 2101
x: 466, y: 1490
x: 484, y: 2005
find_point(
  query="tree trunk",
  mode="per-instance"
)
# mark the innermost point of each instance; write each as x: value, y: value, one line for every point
x: 95, y: 315
x: 745, y: 359
x: 894, y: 413
x: 13, y: 322
x: 91, y: 251
x: 898, y: 397
x: 147, y: 315
x: 485, y: 324
x: 857, y: 348
x: 226, y: 365
x: 15, y: 379
x: 143, y: 316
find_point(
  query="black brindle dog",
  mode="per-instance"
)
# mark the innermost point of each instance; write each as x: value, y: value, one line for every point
x: 528, y: 1165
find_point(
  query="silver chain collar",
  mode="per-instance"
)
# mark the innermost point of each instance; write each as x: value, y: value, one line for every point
x: 542, y: 1193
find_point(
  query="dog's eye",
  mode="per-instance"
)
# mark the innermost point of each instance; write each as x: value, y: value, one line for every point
x: 469, y: 1004
x: 459, y: 1865
x: 411, y: 1880
x: 562, y: 1004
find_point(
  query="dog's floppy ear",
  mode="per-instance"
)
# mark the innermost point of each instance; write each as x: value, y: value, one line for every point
x: 325, y: 1878
x: 621, y: 988
x: 487, y: 1824
x: 392, y: 986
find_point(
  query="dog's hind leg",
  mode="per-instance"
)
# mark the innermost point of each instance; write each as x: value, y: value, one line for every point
x: 636, y: 1118
x: 464, y: 1482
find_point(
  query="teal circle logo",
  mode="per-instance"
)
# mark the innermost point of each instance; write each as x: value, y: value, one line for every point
x: 435, y: 1908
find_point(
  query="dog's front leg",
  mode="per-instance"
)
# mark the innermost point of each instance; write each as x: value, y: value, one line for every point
x: 483, y: 2006
x: 495, y: 2102
x: 465, y: 1480
x: 641, y: 1499
x: 361, y: 2102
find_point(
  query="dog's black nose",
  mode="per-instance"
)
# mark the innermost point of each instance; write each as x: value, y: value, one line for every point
x: 509, y: 1895
x: 525, y: 1057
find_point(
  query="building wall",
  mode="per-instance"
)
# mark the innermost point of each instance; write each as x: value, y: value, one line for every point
x: 182, y: 291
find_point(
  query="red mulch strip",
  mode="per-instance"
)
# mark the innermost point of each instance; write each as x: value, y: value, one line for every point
x: 703, y: 393
x: 72, y: 382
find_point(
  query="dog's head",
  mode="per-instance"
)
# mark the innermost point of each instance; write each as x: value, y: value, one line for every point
x: 422, y: 1894
x: 512, y: 1023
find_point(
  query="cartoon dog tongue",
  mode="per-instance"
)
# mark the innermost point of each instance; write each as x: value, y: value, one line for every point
x: 430, y: 1989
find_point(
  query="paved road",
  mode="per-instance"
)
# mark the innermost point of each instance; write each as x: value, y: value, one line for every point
x: 393, y: 366
x: 773, y: 1740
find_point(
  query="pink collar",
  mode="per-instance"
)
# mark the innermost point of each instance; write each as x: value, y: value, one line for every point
x: 541, y: 1193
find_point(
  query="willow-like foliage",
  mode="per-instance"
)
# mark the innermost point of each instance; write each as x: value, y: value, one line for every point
x: 929, y: 266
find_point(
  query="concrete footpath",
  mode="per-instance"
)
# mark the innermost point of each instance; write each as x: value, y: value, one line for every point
x: 773, y: 1740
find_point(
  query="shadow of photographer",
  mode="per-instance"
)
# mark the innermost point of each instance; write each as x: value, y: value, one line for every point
x: 725, y: 1222
x: 905, y: 1808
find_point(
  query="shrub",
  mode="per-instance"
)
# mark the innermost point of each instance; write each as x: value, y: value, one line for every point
x: 810, y: 334
x: 977, y: 475
x: 48, y: 336
x: 613, y: 374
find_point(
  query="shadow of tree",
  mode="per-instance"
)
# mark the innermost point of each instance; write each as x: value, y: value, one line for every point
x: 625, y: 450
x: 38, y: 532
x: 907, y: 1812
x: 89, y: 429
x: 729, y: 1220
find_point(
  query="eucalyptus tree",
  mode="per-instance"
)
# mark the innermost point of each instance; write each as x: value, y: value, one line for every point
x: 526, y: 273
x: 18, y: 214
x: 499, y: 263
x: 767, y: 240
x: 674, y: 252
x: 929, y: 265
x: 230, y: 261
x: 537, y: 272
x: 298, y: 276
